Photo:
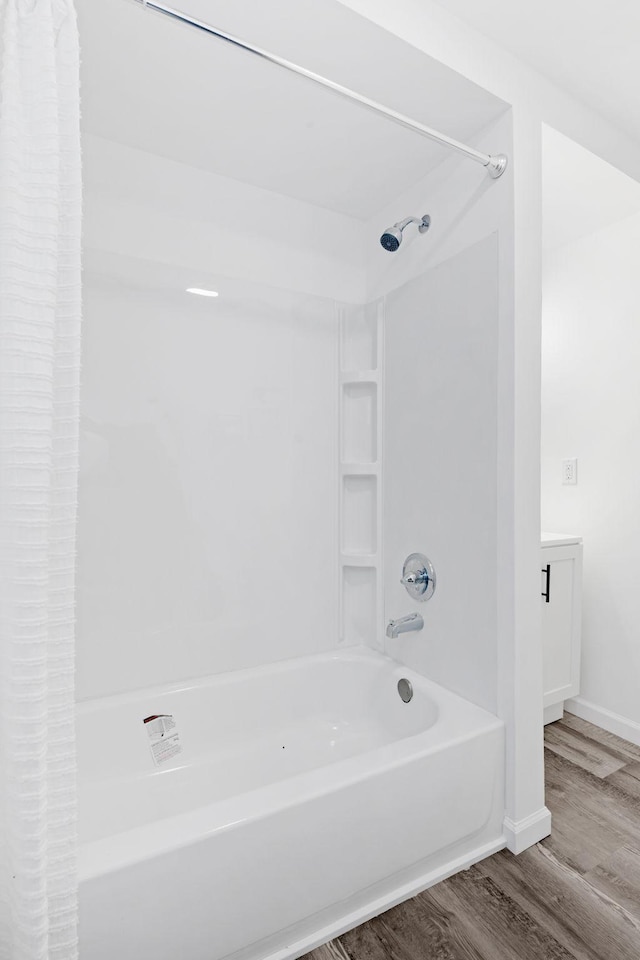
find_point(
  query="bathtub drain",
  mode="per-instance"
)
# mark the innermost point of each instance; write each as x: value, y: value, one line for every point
x: 405, y: 689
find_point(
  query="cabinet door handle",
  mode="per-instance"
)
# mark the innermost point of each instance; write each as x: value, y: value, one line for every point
x: 546, y: 593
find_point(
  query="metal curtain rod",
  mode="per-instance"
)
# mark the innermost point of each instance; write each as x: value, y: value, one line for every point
x: 495, y: 165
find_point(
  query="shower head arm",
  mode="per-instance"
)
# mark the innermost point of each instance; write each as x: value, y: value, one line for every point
x: 423, y: 224
x: 405, y: 223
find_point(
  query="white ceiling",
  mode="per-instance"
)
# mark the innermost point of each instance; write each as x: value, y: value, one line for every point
x: 581, y: 193
x: 154, y: 84
x: 591, y: 48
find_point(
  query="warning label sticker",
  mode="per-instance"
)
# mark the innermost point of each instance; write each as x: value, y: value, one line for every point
x: 164, y: 739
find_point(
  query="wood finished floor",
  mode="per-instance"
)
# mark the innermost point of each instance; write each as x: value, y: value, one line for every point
x: 575, y: 896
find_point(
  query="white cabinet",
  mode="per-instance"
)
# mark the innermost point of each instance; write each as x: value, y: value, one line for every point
x: 561, y: 615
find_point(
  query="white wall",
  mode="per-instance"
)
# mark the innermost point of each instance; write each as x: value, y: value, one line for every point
x: 440, y: 448
x: 591, y: 410
x: 208, y: 481
x: 581, y: 193
x: 210, y: 426
x: 448, y: 310
x: 144, y: 206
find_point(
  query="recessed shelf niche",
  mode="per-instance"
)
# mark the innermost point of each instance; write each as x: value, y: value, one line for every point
x: 359, y: 423
x: 359, y: 604
x: 359, y: 514
x: 359, y: 349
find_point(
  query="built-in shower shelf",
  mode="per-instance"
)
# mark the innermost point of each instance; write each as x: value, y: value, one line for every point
x: 359, y: 559
x: 365, y: 469
x: 359, y: 376
x: 361, y: 365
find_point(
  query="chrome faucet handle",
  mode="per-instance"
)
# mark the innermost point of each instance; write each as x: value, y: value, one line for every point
x: 418, y: 577
x: 410, y: 579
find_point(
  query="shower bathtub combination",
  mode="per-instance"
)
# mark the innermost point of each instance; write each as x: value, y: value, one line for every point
x: 326, y: 800
x: 288, y: 407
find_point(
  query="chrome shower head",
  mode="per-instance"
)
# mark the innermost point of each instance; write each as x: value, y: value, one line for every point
x: 392, y: 237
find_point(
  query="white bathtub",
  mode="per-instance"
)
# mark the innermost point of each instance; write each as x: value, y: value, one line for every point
x: 308, y: 797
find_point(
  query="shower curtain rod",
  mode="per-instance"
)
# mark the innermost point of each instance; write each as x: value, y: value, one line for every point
x: 495, y: 165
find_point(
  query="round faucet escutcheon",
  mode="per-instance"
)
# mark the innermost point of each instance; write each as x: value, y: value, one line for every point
x: 419, y: 577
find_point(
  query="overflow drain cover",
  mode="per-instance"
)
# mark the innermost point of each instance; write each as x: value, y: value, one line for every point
x: 405, y: 690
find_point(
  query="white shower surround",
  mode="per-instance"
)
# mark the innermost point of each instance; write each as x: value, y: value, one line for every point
x: 328, y: 800
x: 173, y: 214
x: 241, y: 346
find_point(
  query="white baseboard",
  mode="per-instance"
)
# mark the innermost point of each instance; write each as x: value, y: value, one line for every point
x: 601, y: 717
x: 349, y: 920
x: 524, y: 833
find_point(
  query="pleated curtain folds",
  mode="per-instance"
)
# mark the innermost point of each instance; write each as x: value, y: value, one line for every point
x: 40, y: 215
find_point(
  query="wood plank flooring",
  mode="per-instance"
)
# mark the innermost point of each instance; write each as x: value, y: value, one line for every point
x: 575, y: 896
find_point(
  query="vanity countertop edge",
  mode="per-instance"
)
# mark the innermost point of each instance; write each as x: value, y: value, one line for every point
x: 558, y: 539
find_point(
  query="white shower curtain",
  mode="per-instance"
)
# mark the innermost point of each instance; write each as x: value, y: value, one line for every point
x: 40, y: 201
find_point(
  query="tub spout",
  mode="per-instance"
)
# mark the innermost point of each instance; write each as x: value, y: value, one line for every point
x: 413, y: 621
